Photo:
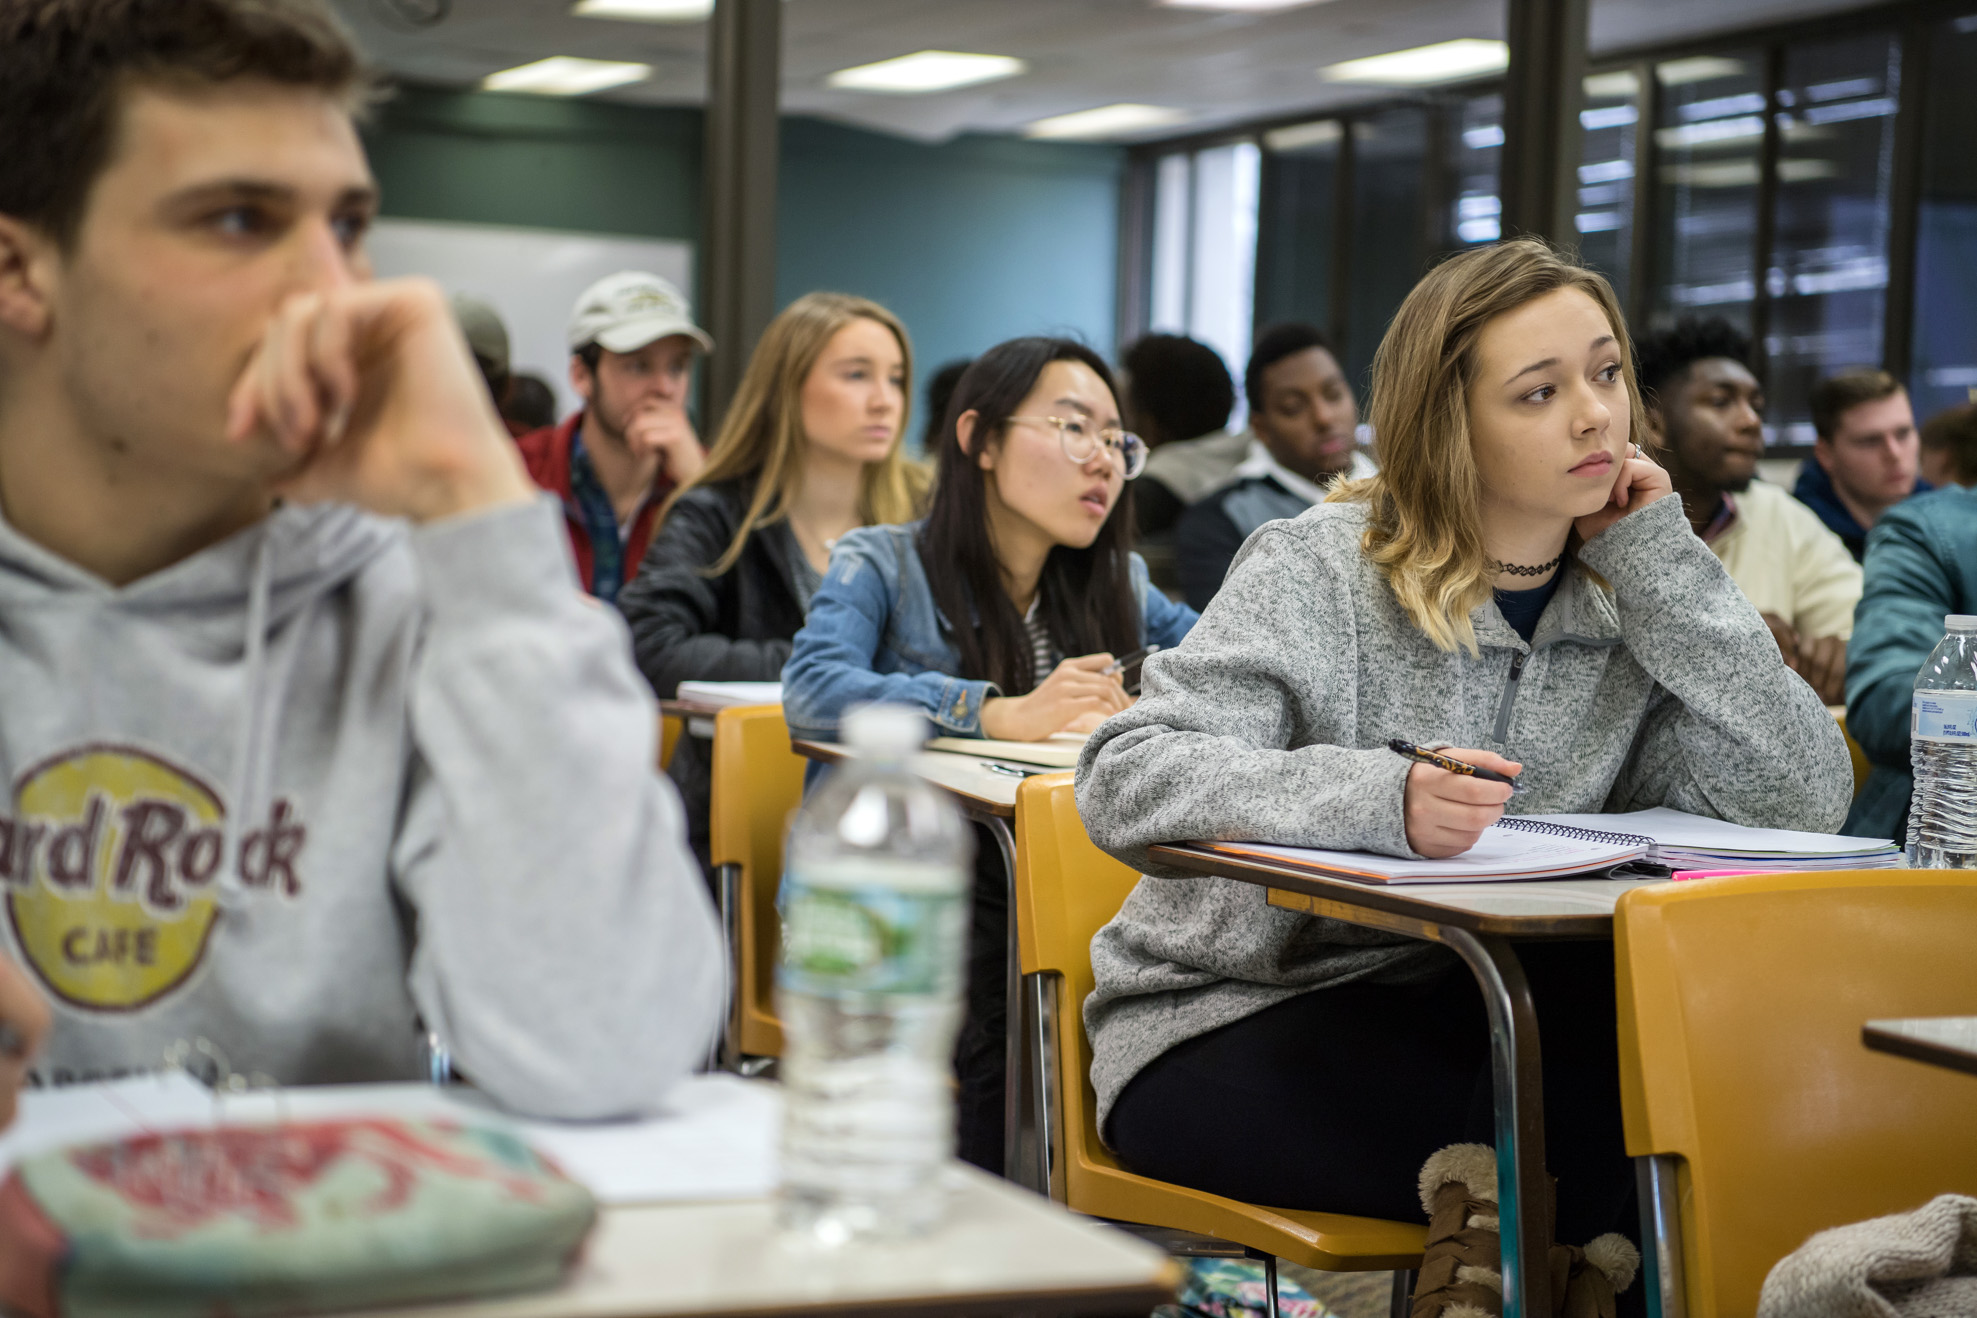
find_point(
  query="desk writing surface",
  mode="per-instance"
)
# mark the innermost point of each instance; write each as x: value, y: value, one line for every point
x: 999, y: 1246
x: 1572, y: 908
x: 1949, y: 1041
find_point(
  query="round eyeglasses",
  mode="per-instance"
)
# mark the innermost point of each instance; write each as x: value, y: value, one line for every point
x: 1082, y: 441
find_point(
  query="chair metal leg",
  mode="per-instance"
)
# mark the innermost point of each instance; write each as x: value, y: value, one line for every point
x: 1041, y: 1149
x: 1403, y: 1297
x: 1523, y: 1198
x: 1012, y: 988
x: 1270, y: 1282
x: 1661, y: 1237
x: 727, y: 886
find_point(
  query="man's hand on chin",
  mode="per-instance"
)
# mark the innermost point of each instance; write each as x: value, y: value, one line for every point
x: 371, y: 391
x: 665, y: 430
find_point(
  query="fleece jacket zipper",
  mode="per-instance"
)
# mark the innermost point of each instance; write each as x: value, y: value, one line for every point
x: 1509, y: 697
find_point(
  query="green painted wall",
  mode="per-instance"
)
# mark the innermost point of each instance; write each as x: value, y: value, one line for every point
x: 969, y: 241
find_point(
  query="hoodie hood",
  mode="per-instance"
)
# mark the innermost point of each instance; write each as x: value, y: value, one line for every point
x: 304, y: 552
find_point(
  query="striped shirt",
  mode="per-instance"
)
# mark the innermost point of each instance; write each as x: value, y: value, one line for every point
x: 1043, y: 655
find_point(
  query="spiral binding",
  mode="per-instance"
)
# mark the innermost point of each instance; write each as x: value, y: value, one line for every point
x: 1550, y: 829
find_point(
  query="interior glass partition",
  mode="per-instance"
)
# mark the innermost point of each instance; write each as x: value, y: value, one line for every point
x: 1827, y: 279
x: 1297, y: 231
x: 1389, y: 240
x: 1944, y: 351
x: 1709, y: 139
x: 1608, y: 128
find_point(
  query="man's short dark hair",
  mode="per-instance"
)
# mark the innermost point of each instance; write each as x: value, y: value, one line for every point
x: 1180, y: 387
x: 1272, y: 346
x: 1836, y: 395
x: 66, y: 64
x: 1954, y: 431
x: 1661, y: 355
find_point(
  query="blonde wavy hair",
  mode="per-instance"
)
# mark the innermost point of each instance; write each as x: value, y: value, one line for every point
x: 1424, y: 522
x: 762, y: 434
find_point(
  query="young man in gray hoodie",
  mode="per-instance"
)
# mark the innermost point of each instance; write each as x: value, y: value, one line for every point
x: 310, y: 744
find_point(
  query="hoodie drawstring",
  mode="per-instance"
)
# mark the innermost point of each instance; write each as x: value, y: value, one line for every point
x: 246, y: 767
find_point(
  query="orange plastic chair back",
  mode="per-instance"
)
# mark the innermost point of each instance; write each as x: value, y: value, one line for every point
x: 1861, y: 768
x: 1066, y: 889
x: 758, y: 783
x: 670, y: 727
x: 1741, y: 1006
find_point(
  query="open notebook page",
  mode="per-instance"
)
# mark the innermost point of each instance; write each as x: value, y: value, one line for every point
x: 1501, y: 853
x: 1679, y: 830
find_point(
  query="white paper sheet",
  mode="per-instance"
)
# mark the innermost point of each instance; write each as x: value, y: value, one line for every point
x: 715, y: 1141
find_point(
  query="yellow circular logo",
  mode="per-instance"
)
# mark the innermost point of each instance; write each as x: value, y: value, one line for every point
x: 110, y: 864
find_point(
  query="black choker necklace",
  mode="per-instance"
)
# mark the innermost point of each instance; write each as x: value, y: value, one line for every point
x: 1519, y: 570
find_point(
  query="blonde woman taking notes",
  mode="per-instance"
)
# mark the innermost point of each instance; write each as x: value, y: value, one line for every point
x: 1517, y: 583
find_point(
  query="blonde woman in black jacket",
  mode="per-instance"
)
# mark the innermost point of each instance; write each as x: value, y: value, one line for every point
x: 810, y: 450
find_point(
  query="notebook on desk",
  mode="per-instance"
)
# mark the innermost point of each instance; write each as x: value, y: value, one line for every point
x: 1060, y: 751
x: 729, y: 694
x: 1557, y: 846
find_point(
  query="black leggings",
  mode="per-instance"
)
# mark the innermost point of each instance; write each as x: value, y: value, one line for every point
x: 1331, y: 1101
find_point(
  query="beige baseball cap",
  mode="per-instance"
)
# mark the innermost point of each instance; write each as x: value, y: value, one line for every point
x: 626, y: 311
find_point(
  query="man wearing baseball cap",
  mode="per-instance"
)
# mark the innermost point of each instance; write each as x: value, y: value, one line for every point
x: 632, y: 340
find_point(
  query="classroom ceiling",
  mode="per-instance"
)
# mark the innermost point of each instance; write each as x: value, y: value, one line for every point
x: 1221, y: 68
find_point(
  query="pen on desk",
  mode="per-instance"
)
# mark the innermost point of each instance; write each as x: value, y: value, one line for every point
x: 1136, y: 657
x: 1409, y: 750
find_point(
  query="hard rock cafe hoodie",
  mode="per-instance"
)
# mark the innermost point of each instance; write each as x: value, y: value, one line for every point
x: 335, y: 782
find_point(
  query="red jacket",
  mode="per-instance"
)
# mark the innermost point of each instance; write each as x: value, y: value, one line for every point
x: 547, y: 454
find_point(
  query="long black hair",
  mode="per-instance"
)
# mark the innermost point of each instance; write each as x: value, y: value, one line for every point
x: 1085, y: 595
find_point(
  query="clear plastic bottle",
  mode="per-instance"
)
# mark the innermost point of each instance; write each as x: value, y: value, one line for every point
x: 875, y: 912
x: 1942, y: 814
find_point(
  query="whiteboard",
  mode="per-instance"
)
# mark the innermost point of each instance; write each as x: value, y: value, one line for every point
x: 531, y: 276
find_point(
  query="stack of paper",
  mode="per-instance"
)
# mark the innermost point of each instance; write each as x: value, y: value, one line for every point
x: 727, y: 694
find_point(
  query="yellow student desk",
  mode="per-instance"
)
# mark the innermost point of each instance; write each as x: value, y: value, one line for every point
x: 1477, y: 922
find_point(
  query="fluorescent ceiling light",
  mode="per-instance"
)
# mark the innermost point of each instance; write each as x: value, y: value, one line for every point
x: 1322, y: 132
x: 1106, y: 121
x: 926, y: 71
x: 1699, y: 68
x: 1445, y: 61
x: 646, y: 11
x: 1236, y: 6
x: 566, y: 75
x: 1607, y: 85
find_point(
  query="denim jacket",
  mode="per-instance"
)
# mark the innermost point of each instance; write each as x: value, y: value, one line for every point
x: 874, y: 634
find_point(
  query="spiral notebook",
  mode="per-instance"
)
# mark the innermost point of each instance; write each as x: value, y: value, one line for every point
x: 1555, y: 846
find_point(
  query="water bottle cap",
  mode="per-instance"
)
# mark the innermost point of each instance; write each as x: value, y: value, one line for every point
x: 1960, y: 622
x: 885, y: 729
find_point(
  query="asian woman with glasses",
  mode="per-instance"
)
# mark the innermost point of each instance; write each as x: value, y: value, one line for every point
x: 998, y: 615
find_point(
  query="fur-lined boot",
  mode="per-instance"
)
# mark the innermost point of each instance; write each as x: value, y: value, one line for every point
x: 1585, y: 1281
x: 1462, y: 1270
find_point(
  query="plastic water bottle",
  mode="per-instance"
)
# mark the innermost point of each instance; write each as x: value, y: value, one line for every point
x: 1942, y: 814
x: 875, y: 912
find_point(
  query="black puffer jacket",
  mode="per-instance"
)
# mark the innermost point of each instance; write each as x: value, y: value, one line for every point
x: 688, y: 626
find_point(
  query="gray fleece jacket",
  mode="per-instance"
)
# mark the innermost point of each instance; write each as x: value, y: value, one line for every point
x: 334, y: 777
x: 1270, y: 722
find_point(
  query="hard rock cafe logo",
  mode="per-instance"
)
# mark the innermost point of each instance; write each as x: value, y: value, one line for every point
x: 109, y: 864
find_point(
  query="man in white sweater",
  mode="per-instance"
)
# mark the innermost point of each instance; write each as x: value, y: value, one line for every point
x: 1707, y: 408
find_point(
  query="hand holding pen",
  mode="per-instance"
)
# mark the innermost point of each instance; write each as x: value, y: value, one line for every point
x: 1446, y: 809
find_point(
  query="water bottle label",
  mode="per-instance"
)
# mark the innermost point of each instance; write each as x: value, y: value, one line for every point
x: 1949, y: 716
x: 847, y: 940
